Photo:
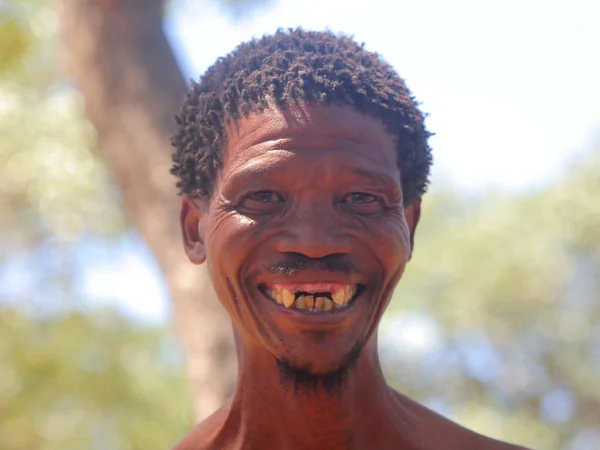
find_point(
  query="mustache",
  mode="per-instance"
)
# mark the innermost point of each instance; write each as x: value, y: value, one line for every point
x: 296, y: 263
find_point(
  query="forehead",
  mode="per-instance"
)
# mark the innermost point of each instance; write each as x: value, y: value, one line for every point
x: 336, y: 133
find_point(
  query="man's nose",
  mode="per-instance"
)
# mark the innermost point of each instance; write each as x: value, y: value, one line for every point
x: 314, y: 235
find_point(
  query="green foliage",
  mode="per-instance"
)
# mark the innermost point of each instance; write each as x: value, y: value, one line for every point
x: 51, y: 173
x: 89, y: 380
x: 68, y: 379
x: 52, y: 181
x: 15, y: 43
x: 513, y: 280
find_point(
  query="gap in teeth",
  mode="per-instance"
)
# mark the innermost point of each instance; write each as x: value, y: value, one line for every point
x: 316, y: 294
x: 314, y: 301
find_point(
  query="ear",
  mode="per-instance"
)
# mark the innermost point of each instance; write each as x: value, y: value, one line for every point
x: 412, y: 213
x: 191, y: 219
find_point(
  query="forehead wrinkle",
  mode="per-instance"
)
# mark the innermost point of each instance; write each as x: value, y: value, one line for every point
x: 259, y: 164
x: 312, y: 143
x: 305, y: 139
x: 276, y: 123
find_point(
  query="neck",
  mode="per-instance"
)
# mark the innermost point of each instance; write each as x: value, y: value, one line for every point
x: 276, y: 407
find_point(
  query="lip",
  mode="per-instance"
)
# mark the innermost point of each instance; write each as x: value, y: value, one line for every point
x: 312, y: 277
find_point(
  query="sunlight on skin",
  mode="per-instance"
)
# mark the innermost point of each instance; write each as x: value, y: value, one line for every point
x: 284, y: 375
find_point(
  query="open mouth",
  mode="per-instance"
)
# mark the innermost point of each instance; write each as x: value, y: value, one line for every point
x: 315, y: 297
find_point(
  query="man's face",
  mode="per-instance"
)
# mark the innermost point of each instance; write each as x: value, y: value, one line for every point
x: 306, y: 235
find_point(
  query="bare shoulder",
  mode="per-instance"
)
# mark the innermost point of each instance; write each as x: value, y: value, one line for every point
x: 443, y: 433
x: 473, y: 440
x: 477, y: 441
x: 193, y: 440
x: 205, y: 435
x: 197, y: 439
x: 492, y: 444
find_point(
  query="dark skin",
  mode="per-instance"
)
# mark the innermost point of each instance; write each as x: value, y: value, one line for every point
x: 310, y: 194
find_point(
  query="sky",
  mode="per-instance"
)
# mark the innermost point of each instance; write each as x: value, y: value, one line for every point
x: 511, y: 88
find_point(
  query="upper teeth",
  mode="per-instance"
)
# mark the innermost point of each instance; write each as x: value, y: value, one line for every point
x: 287, y: 297
x: 307, y: 300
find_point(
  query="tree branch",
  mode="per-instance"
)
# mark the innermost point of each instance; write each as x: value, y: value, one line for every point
x: 117, y: 53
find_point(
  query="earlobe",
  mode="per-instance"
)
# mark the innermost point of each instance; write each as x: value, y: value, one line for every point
x: 412, y: 213
x: 190, y: 218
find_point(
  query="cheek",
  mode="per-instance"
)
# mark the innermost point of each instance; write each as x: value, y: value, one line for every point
x: 229, y: 238
x: 393, y: 242
x: 228, y: 245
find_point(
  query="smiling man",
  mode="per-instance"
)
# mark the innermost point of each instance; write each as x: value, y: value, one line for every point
x: 302, y: 159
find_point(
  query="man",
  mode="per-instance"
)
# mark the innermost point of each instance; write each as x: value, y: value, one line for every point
x: 302, y: 159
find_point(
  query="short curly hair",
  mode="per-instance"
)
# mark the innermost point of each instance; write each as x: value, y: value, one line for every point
x: 286, y: 67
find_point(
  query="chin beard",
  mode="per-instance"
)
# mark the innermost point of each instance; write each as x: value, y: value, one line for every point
x: 303, y: 379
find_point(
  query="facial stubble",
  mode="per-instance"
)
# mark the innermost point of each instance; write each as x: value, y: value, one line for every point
x: 305, y: 380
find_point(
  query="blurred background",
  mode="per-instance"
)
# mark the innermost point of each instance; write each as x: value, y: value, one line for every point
x: 110, y: 339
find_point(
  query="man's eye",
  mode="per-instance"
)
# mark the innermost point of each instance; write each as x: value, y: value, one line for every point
x: 359, y: 198
x: 262, y: 202
x: 362, y: 204
x: 265, y: 197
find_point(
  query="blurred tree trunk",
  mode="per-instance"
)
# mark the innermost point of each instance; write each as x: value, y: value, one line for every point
x: 118, y: 55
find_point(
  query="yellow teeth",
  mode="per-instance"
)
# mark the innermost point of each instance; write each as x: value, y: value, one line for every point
x: 339, y: 299
x: 287, y: 297
x: 351, y: 293
x: 275, y: 296
x: 310, y: 301
x: 301, y: 302
x: 320, y: 302
x: 343, y: 296
x: 323, y: 303
x: 283, y: 297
